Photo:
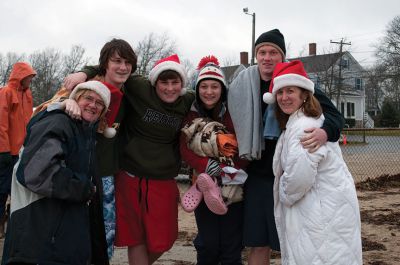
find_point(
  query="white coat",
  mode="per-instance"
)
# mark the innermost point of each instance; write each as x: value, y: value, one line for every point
x: 316, y: 207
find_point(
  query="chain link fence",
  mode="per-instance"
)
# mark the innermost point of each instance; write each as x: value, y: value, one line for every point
x: 370, y: 153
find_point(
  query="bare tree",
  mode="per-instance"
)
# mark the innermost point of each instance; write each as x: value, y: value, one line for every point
x: 190, y: 72
x: 51, y: 67
x: 6, y: 64
x: 48, y: 65
x: 229, y: 61
x: 74, y: 60
x: 152, y: 48
x: 375, y: 77
x: 388, y: 52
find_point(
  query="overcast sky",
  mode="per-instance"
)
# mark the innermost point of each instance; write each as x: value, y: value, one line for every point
x: 198, y: 27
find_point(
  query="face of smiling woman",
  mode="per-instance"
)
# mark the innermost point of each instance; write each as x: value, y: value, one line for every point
x: 210, y: 92
x: 91, y: 105
x: 290, y: 99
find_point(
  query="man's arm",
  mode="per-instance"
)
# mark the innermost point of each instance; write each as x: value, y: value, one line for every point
x: 88, y: 72
x: 4, y: 122
x: 331, y: 128
x: 334, y: 121
x: 5, y: 155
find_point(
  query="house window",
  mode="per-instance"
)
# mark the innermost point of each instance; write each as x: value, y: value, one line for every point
x: 350, y: 109
x: 345, y: 63
x: 358, y: 83
x: 342, y: 108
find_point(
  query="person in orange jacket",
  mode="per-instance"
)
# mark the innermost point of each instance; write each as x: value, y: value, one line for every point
x: 15, y: 112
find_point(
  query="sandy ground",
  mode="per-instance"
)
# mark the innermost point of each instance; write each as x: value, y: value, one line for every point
x: 380, y: 215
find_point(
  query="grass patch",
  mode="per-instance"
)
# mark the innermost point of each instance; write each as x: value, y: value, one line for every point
x: 372, y: 132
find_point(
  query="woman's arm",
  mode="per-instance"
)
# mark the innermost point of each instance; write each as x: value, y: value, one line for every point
x: 196, y: 162
x: 300, y: 168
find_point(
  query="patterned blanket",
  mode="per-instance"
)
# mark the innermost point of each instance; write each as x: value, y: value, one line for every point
x: 209, y: 138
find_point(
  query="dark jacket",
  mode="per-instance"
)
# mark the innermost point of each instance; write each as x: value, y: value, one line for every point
x: 49, y: 221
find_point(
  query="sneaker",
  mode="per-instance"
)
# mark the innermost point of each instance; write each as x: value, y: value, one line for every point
x: 191, y: 199
x: 212, y: 194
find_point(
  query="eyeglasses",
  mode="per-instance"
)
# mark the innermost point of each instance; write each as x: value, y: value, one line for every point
x: 99, y: 104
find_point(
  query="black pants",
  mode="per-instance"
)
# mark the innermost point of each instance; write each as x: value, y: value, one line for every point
x: 219, y: 238
x: 5, y: 184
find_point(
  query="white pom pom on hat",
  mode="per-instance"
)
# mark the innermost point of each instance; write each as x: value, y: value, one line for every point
x: 109, y: 132
x: 268, y: 98
x: 288, y: 74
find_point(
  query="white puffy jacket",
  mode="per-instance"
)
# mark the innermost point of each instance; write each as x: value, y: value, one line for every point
x: 316, y: 207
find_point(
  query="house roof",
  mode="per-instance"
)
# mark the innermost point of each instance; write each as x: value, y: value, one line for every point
x: 312, y: 64
x: 318, y: 63
x: 229, y: 70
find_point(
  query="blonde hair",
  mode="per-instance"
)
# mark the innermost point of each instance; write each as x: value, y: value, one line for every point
x: 83, y: 91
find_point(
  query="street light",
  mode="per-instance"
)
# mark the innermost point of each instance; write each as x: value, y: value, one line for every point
x: 246, y: 11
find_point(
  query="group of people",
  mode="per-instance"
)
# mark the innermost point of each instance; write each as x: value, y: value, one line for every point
x: 118, y: 136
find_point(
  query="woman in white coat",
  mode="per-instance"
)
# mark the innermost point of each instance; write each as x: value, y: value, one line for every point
x: 316, y: 207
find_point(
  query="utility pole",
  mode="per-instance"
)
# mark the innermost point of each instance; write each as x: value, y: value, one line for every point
x: 246, y: 11
x: 339, y: 85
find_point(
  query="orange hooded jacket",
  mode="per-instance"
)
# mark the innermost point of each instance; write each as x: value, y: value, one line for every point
x: 15, y: 109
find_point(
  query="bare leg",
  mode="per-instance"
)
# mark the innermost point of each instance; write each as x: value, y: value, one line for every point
x: 259, y: 256
x: 137, y: 255
x: 154, y: 256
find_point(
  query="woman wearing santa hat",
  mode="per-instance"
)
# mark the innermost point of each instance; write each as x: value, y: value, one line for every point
x: 117, y: 62
x: 52, y: 184
x: 316, y: 207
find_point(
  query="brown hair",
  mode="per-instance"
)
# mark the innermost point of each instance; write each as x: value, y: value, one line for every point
x: 169, y: 74
x: 310, y: 107
x: 122, y: 48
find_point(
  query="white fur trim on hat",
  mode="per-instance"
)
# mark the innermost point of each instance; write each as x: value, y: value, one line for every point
x: 167, y: 65
x: 288, y: 80
x: 97, y: 87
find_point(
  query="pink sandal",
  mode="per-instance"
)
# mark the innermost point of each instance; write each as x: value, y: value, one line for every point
x: 212, y: 194
x: 191, y: 199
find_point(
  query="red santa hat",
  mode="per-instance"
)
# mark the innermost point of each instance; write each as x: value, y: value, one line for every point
x: 288, y: 74
x: 169, y: 63
x: 95, y: 86
x: 113, y: 110
x: 111, y: 97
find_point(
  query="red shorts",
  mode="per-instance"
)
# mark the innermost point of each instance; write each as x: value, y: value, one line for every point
x: 151, y: 219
